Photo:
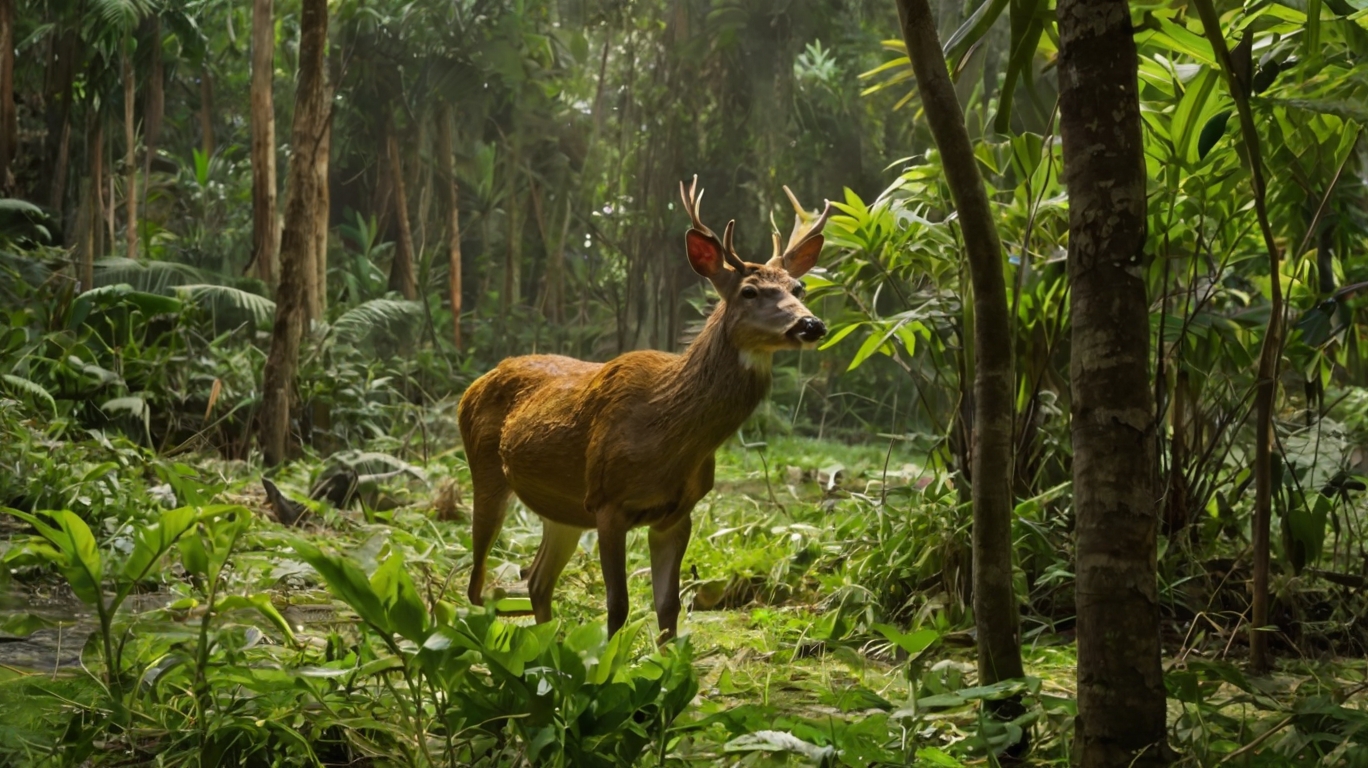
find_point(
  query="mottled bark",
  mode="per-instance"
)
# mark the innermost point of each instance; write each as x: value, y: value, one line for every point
x: 318, y: 287
x: 9, y: 118
x: 130, y: 159
x: 299, y: 237
x: 1120, y: 683
x: 401, y: 269
x: 995, y: 604
x: 92, y: 236
x: 451, y: 203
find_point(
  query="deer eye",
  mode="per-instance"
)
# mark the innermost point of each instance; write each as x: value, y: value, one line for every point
x: 799, y: 290
x: 749, y: 292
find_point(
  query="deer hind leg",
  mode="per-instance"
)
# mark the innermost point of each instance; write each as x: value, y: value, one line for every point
x: 557, y: 547
x: 491, y: 506
x: 667, y: 555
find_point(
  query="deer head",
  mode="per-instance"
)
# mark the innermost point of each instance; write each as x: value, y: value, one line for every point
x: 762, y: 304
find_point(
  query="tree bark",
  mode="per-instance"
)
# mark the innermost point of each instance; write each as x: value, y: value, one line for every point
x: 61, y: 77
x: 154, y: 107
x: 265, y: 237
x: 996, y: 612
x: 130, y: 158
x: 9, y: 118
x: 206, y: 112
x: 1120, y: 682
x: 401, y: 277
x: 299, y: 239
x: 318, y: 286
x: 511, y: 295
x: 451, y: 202
x: 93, y: 224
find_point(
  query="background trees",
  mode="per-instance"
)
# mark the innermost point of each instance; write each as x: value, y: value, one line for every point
x: 491, y: 178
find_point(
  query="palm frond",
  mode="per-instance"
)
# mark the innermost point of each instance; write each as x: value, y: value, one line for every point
x: 391, y: 314
x: 150, y: 276
x: 225, y: 298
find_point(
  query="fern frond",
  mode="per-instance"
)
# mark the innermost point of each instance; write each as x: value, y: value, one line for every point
x: 221, y: 298
x: 375, y: 314
x: 20, y: 384
x: 150, y: 276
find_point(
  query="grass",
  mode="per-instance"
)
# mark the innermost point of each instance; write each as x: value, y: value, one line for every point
x: 803, y: 594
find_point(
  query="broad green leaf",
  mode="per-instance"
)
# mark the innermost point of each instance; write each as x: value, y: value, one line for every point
x: 347, y: 583
x: 261, y: 603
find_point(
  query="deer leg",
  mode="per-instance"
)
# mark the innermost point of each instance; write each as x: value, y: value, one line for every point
x: 491, y: 505
x: 667, y: 554
x: 613, y: 560
x: 557, y: 547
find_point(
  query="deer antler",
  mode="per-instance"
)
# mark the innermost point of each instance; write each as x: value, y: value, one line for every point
x: 805, y: 225
x: 692, y: 197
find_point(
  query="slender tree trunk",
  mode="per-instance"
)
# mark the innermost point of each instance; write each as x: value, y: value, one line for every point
x: 265, y: 237
x: 1120, y: 682
x: 61, y: 77
x: 511, y: 295
x: 299, y: 239
x: 93, y: 222
x: 401, y: 277
x: 9, y: 118
x: 206, y: 112
x: 130, y: 157
x: 318, y: 288
x: 154, y: 107
x: 451, y: 202
x: 995, y: 605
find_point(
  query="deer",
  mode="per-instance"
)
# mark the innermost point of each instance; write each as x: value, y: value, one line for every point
x: 630, y: 443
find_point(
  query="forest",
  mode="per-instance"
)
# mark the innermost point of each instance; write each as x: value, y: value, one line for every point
x: 1040, y: 439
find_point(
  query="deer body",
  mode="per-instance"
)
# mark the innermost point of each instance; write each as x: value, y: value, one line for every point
x: 629, y: 443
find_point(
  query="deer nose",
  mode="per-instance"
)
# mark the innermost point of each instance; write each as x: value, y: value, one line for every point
x: 810, y: 329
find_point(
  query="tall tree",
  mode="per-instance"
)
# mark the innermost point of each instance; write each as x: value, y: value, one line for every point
x: 154, y: 104
x: 9, y: 125
x: 130, y: 151
x: 303, y: 218
x: 1120, y: 682
x: 995, y: 604
x: 401, y: 277
x: 446, y: 161
x: 265, y: 238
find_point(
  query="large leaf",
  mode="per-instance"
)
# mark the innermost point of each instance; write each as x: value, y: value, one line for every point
x: 347, y: 583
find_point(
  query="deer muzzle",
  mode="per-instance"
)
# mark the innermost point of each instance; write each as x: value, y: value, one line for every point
x: 808, y: 330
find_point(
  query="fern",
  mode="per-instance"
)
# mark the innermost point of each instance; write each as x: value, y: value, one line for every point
x: 150, y: 276
x: 393, y: 314
x: 220, y: 298
x: 25, y: 386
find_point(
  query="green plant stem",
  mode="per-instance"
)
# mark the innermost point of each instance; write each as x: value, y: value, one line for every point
x: 1269, y: 354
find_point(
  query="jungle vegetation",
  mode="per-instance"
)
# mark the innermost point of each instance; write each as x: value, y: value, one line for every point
x: 1077, y: 476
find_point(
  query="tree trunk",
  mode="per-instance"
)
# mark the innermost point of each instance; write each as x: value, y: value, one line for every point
x: 130, y: 158
x: 318, y: 287
x: 1120, y: 682
x: 265, y: 238
x: 206, y: 112
x: 9, y: 118
x: 93, y: 223
x: 155, y: 106
x: 401, y: 270
x: 299, y: 239
x: 61, y: 77
x: 995, y: 605
x: 451, y: 202
x: 511, y: 294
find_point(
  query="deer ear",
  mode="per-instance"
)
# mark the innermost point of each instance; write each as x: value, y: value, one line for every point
x: 705, y: 253
x: 803, y: 257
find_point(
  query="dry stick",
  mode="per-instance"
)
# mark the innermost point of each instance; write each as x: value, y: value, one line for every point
x: 1272, y: 343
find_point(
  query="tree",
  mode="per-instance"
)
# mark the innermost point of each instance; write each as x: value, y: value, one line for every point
x: 9, y: 126
x: 401, y: 277
x: 995, y: 604
x: 130, y: 152
x: 265, y: 238
x: 1120, y: 682
x: 451, y: 202
x: 303, y: 219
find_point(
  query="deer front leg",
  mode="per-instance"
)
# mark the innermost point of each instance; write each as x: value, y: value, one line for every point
x: 667, y: 555
x: 612, y: 536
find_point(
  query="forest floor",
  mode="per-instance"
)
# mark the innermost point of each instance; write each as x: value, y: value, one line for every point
x: 793, y: 565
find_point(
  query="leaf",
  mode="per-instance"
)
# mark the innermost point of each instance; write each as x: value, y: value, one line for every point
x: 156, y: 540
x: 347, y: 583
x: 912, y: 643
x: 84, y: 571
x: 778, y: 741
x: 1212, y: 132
x: 377, y: 313
x: 223, y: 297
x: 261, y: 603
x: 403, y: 607
x: 30, y: 388
x: 972, y: 30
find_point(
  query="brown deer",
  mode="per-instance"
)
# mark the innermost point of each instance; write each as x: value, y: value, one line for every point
x: 629, y: 443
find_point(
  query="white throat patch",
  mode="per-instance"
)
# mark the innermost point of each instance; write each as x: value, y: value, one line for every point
x: 757, y: 361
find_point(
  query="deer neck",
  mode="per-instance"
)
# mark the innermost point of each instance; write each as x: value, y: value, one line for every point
x: 714, y: 388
